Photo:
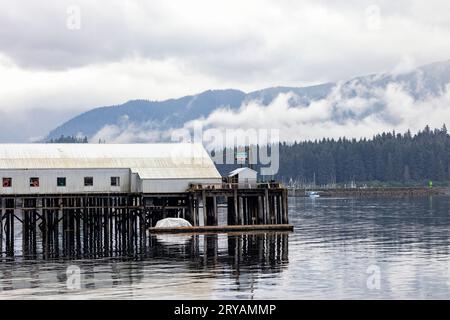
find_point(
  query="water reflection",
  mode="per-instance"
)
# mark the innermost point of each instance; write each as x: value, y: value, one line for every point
x: 334, y: 245
x: 262, y: 250
x: 202, y: 261
x: 392, y: 225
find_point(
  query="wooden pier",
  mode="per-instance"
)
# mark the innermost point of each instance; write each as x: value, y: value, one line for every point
x: 102, y: 224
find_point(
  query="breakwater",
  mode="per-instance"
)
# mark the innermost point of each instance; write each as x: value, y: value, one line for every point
x: 371, y: 192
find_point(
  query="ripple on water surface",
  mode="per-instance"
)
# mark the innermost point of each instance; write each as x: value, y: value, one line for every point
x: 341, y: 248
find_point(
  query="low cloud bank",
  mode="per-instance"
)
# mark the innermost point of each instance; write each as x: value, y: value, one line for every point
x: 351, y: 110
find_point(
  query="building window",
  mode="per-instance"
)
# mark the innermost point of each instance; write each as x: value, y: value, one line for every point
x: 61, y: 181
x: 34, y: 182
x: 7, y: 182
x: 115, y: 181
x: 88, y: 181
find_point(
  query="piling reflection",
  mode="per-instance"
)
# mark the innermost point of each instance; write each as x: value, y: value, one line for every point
x: 264, y: 251
x: 241, y: 258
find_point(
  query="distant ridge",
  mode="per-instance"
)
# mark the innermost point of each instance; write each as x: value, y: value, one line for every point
x: 422, y: 82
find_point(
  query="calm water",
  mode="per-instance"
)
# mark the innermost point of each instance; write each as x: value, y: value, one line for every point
x: 341, y: 248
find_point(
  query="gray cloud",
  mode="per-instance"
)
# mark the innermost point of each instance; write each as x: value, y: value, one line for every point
x: 295, y: 40
x: 31, y: 124
x: 363, y: 114
x: 163, y: 49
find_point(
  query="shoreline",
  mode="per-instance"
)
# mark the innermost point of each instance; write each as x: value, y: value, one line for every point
x: 372, y: 192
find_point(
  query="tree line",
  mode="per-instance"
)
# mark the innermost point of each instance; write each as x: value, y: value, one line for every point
x: 387, y: 157
x: 68, y: 139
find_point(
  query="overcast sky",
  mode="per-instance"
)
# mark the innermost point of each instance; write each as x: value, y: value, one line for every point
x: 69, y: 56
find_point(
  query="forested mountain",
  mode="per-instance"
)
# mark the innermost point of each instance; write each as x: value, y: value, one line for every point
x: 346, y: 98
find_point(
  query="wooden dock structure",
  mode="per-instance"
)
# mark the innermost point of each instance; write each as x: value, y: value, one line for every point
x: 247, y: 204
x: 101, y: 224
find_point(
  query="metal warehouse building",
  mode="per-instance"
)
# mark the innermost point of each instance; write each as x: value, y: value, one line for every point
x: 104, y: 168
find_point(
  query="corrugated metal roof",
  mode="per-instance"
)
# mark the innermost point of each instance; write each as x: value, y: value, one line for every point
x: 150, y: 161
x: 239, y: 170
x: 177, y: 173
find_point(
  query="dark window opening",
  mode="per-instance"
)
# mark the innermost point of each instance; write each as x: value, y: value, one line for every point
x: 7, y: 182
x: 88, y: 181
x: 115, y: 181
x: 34, y: 182
x: 61, y: 181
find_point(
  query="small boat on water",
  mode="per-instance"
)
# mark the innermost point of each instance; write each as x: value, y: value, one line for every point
x: 172, y: 223
x: 312, y: 194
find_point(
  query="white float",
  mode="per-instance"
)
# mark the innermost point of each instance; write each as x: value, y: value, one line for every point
x: 172, y: 223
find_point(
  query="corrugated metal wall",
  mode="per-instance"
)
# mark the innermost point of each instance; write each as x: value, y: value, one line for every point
x: 74, y: 180
x: 129, y: 182
x: 247, y: 176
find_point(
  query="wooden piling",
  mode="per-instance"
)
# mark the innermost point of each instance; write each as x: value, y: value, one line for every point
x: 278, y: 211
x: 1, y: 229
x: 9, y: 221
x: 230, y: 210
x: 286, y: 216
x: 25, y: 231
x: 237, y: 207
x: 215, y: 211
x: 266, y: 206
x: 204, y: 208
x: 240, y: 211
x: 260, y: 218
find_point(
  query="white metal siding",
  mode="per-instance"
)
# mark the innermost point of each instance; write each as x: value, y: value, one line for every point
x: 74, y: 180
x: 135, y: 183
x: 247, y: 176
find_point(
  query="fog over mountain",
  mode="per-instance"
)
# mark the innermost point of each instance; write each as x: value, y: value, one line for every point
x: 59, y: 59
x: 359, y: 107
